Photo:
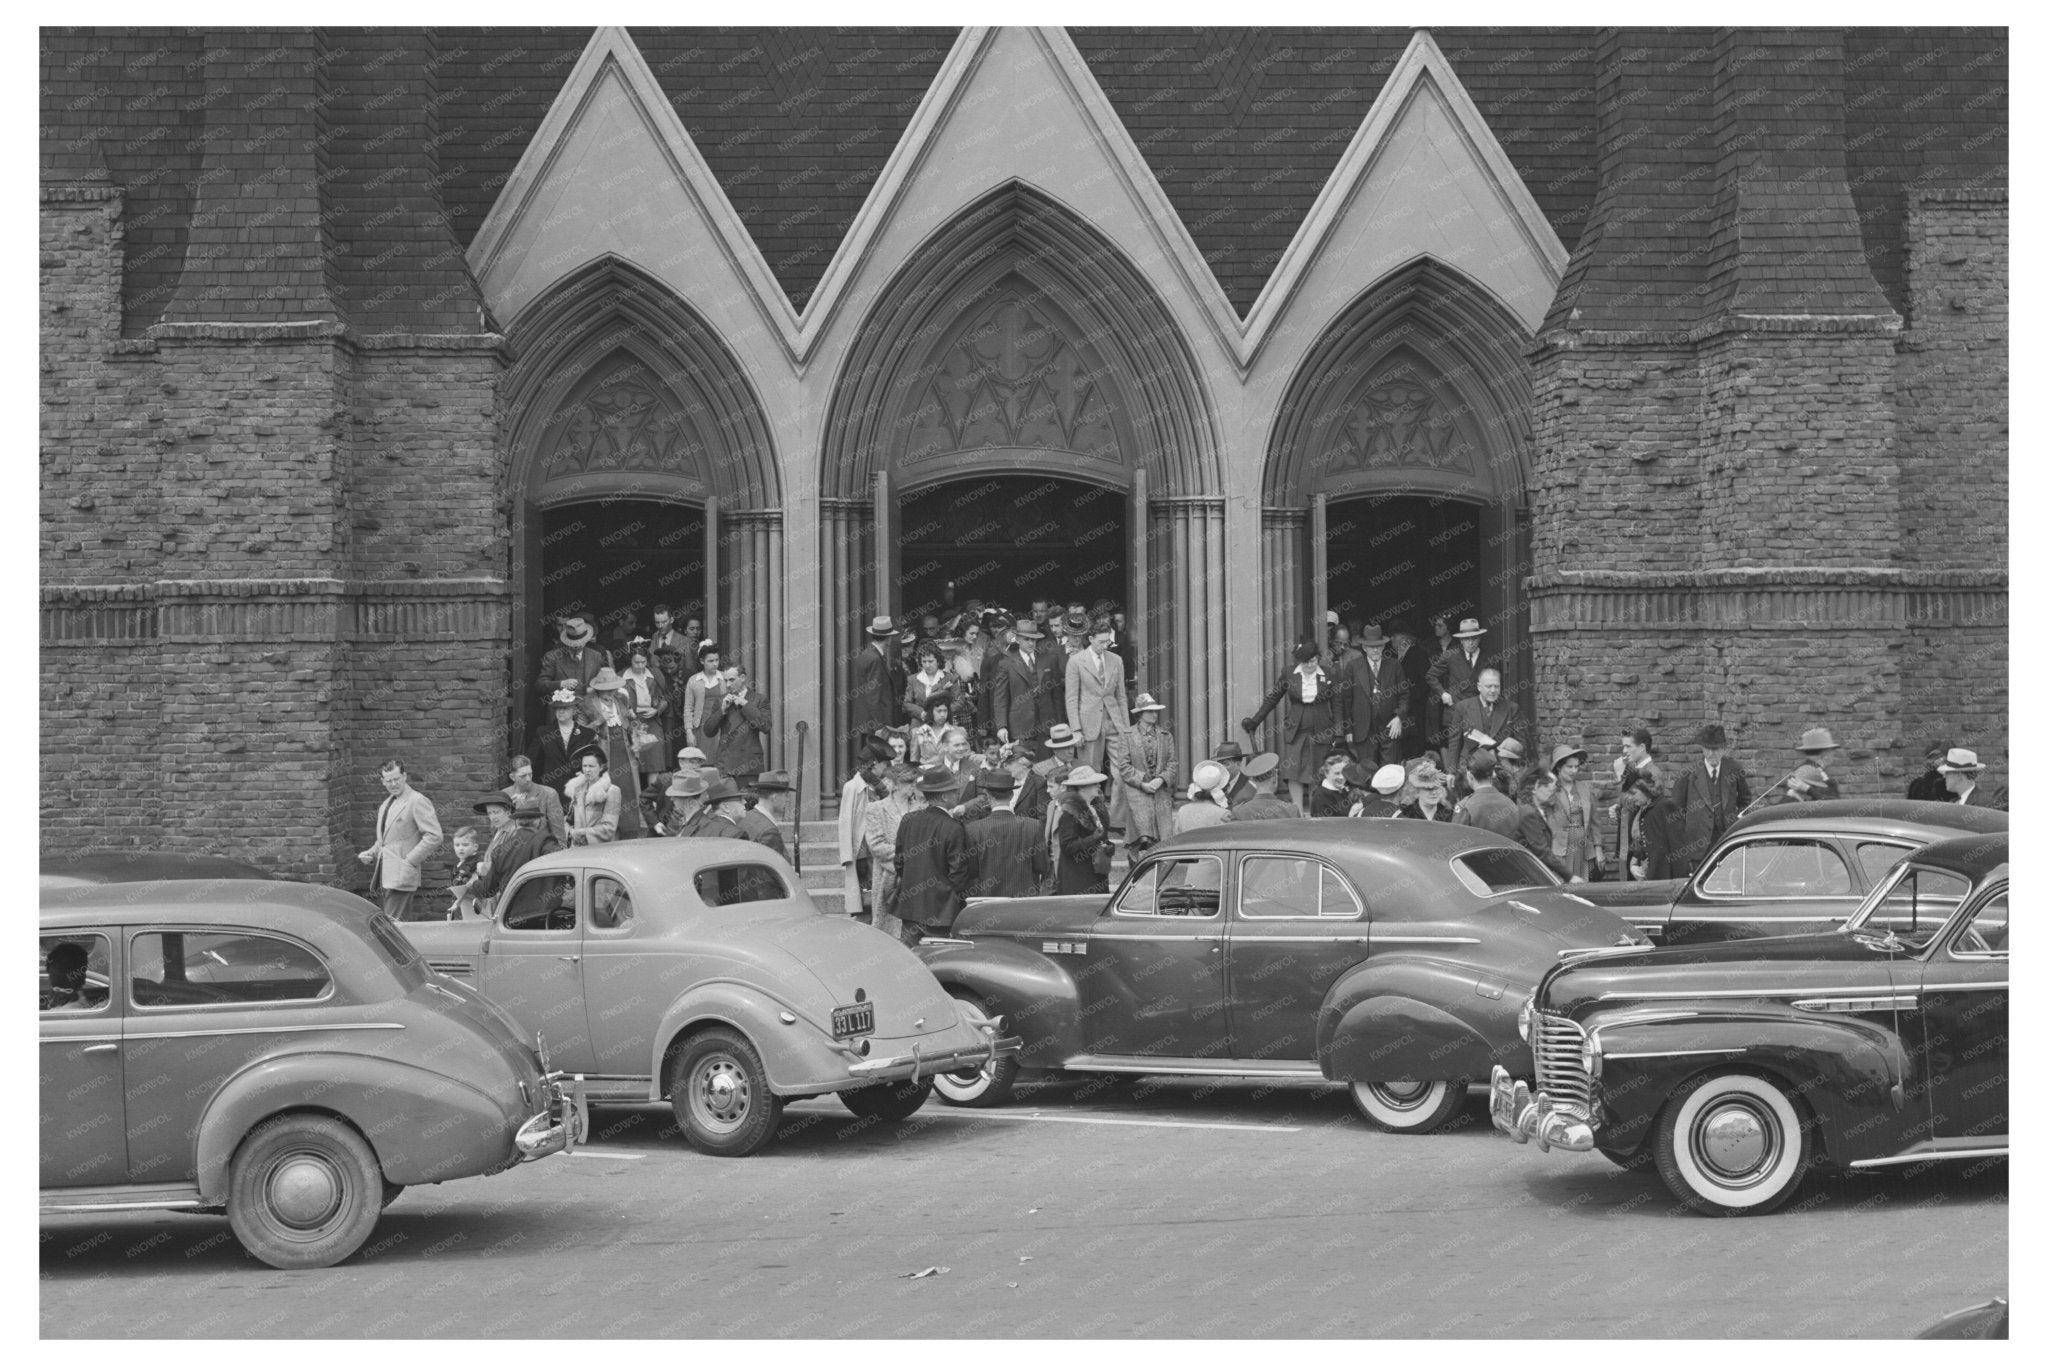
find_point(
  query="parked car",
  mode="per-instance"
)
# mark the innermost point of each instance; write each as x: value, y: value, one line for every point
x: 1790, y: 869
x: 94, y: 867
x: 1389, y: 956
x: 268, y: 1050
x: 1988, y: 1321
x: 700, y: 972
x: 1738, y: 1066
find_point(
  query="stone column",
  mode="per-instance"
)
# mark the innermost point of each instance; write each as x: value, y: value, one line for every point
x: 846, y: 559
x: 1191, y: 617
x: 1283, y: 552
x: 751, y: 595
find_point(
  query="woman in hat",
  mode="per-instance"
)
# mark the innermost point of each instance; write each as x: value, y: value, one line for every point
x: 1312, y: 720
x: 560, y: 739
x: 1146, y: 771
x: 595, y: 804
x: 1082, y: 835
x: 1426, y: 797
x: 613, y: 725
x: 1574, y: 840
x: 1206, y: 803
x: 1654, y: 848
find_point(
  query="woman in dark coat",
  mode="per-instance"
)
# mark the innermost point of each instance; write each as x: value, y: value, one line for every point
x: 1312, y: 720
x: 1654, y: 853
x: 1082, y: 836
x: 560, y: 737
x: 1426, y: 796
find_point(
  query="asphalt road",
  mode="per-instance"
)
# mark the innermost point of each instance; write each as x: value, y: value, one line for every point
x: 1168, y: 1210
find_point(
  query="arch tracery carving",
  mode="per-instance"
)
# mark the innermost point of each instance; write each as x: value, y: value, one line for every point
x: 1012, y: 378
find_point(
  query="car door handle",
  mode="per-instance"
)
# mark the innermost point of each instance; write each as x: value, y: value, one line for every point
x: 103, y: 1048
x: 569, y: 958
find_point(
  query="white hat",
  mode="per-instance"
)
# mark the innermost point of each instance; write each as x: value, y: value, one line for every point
x: 1390, y: 779
x: 1960, y: 761
x: 1209, y: 776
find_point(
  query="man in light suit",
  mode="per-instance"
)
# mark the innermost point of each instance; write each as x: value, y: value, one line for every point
x: 1021, y: 692
x: 407, y: 831
x: 1096, y: 706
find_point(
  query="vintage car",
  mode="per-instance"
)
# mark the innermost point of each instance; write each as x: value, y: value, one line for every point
x: 1738, y: 1066
x: 1388, y: 955
x: 94, y: 867
x: 1790, y: 869
x: 269, y: 1050
x: 699, y: 971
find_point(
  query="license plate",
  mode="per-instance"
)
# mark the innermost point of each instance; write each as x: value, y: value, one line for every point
x: 848, y: 1021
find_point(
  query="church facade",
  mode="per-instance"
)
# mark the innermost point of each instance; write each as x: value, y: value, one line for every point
x: 1677, y: 357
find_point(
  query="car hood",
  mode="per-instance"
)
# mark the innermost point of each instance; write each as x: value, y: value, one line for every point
x: 1029, y: 915
x: 1772, y: 967
x: 1627, y: 895
x: 824, y: 961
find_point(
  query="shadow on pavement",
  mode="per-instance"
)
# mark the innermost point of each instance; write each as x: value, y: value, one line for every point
x: 1587, y: 1185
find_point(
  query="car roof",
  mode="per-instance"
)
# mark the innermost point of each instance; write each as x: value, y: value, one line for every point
x: 1976, y: 857
x: 657, y: 858
x: 139, y: 865
x: 1880, y: 816
x: 1377, y: 839
x: 293, y: 907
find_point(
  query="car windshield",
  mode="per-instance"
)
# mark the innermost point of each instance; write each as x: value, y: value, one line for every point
x: 1910, y: 905
x: 1489, y: 872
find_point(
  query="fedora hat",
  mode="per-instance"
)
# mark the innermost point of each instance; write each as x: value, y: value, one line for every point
x: 995, y: 780
x: 1027, y: 629
x: 723, y: 789
x: 1062, y: 736
x: 1371, y: 635
x: 1511, y: 748
x: 1228, y: 750
x: 774, y: 780
x: 1147, y: 702
x: 1711, y: 736
x: 607, y: 681
x: 1815, y: 740
x: 1259, y: 765
x: 1960, y: 761
x: 935, y: 780
x: 882, y: 627
x: 1390, y: 779
x: 1560, y: 753
x: 1469, y: 629
x: 686, y: 785
x: 1084, y: 776
x: 491, y: 799
x: 576, y: 630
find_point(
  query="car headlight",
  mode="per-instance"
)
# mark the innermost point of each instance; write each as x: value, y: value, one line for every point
x: 1525, y: 1018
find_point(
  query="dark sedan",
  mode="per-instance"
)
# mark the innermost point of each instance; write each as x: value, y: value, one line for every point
x: 1389, y: 956
x: 1790, y: 869
x: 96, y: 867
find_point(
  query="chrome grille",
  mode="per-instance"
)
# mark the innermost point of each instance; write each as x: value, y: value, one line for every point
x: 1561, y: 1071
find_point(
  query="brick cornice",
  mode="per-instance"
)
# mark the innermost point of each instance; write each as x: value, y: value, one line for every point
x: 315, y: 331
x: 1788, y: 599
x: 281, y: 610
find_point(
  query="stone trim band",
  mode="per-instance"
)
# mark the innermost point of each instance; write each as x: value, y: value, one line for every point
x: 215, y: 610
x: 1769, y: 599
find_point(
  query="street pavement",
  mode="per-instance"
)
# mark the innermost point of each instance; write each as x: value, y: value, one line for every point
x: 1082, y: 1209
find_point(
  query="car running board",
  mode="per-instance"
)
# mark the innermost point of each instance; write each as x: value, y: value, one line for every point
x: 105, y: 1199
x: 1942, y: 1150
x: 1200, y: 1067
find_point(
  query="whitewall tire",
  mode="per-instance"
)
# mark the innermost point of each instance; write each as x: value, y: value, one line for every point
x: 1408, y: 1107
x: 1735, y: 1143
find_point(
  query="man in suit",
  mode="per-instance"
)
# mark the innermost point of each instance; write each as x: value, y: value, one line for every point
x: 963, y: 770
x: 1023, y: 690
x: 407, y: 831
x: 1484, y: 805
x: 736, y: 720
x: 873, y: 697
x: 575, y: 659
x: 1375, y: 694
x: 1414, y: 663
x: 1960, y: 769
x: 1009, y: 851
x: 1709, y: 794
x: 674, y: 652
x: 1265, y: 803
x: 934, y: 866
x: 1237, y: 788
x: 1455, y: 674
x: 1482, y: 720
x: 520, y: 771
x: 1096, y: 704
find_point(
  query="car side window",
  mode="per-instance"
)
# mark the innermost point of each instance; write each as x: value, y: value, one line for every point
x: 1878, y: 859
x: 1787, y: 867
x: 611, y: 905
x: 1272, y: 888
x: 76, y: 970
x: 547, y: 902
x: 737, y: 884
x: 1987, y: 930
x: 222, y: 967
x: 1339, y: 902
x: 1191, y: 885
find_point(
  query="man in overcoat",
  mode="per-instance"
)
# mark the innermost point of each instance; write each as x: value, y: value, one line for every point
x: 873, y: 693
x: 575, y: 659
x: 1023, y: 694
x: 1009, y: 852
x: 934, y: 866
x: 1375, y: 696
x: 1709, y: 793
x: 1455, y: 674
x: 1486, y: 713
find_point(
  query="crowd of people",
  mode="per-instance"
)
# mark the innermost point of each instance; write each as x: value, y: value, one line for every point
x: 996, y: 756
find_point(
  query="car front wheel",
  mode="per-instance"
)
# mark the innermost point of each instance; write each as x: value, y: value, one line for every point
x: 1735, y: 1143
x: 988, y: 1084
x: 1408, y: 1107
x: 720, y: 1093
x: 893, y: 1101
x: 304, y: 1191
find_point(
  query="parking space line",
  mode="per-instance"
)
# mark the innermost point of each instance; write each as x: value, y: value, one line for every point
x: 1142, y: 1123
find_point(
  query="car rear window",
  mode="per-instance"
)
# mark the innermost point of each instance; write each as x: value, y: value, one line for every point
x: 216, y: 967
x: 1489, y: 872
x: 736, y: 884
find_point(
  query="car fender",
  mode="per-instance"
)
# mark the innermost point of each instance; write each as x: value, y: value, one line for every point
x: 1038, y: 998
x: 799, y: 1056
x: 1853, y: 1075
x: 1406, y: 1017
x: 424, y: 1126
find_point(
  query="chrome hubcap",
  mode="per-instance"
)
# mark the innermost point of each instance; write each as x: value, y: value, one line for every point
x: 1403, y: 1095
x: 304, y: 1190
x: 1737, y: 1143
x: 722, y: 1092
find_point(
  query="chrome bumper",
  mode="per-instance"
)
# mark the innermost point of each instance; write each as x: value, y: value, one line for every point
x: 917, y: 1064
x: 561, y: 1126
x: 1522, y: 1116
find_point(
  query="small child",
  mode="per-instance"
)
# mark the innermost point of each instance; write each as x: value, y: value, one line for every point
x: 468, y: 846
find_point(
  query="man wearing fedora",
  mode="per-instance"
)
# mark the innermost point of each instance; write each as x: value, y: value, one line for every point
x: 1960, y: 769
x: 1811, y: 781
x: 1455, y: 674
x: 934, y: 865
x: 1374, y: 697
x: 1709, y: 793
x: 1097, y: 706
x: 1008, y: 851
x: 575, y: 659
x: 873, y: 701
x: 1024, y: 691
x: 756, y: 824
x: 696, y: 812
x: 408, y: 830
x: 1237, y: 788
